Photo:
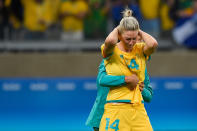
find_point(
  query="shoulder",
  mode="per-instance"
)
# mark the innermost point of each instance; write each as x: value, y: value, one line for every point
x: 115, y: 51
x: 139, y: 45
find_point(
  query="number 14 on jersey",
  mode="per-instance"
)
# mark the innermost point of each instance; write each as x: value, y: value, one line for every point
x: 114, y: 125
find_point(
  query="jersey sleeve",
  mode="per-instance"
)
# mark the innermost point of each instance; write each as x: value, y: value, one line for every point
x: 147, y: 92
x: 102, y: 49
x: 140, y: 49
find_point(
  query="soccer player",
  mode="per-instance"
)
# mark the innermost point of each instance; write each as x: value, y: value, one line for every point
x: 124, y: 108
x: 103, y: 82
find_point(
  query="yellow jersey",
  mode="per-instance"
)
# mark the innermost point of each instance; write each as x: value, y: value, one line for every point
x: 34, y: 12
x: 149, y: 8
x: 123, y: 63
x: 71, y: 23
x: 166, y: 22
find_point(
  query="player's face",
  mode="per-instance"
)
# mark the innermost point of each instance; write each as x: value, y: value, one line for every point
x: 129, y: 38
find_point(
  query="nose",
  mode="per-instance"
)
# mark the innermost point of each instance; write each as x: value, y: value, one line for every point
x: 132, y: 42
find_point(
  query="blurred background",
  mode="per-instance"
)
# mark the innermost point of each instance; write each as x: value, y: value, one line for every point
x: 50, y: 53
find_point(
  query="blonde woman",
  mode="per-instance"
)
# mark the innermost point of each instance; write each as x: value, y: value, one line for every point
x: 124, y: 110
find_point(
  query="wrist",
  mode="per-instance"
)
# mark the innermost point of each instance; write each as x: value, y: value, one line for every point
x: 127, y: 80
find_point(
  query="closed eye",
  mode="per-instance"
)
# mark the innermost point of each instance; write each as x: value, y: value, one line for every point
x: 128, y: 39
x: 134, y: 39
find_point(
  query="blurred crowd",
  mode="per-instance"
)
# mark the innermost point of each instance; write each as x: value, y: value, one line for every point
x: 77, y: 20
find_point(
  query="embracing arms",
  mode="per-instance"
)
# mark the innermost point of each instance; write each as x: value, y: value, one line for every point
x: 113, y: 81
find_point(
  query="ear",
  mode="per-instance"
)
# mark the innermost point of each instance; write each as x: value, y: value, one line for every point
x: 119, y: 35
x: 140, y: 36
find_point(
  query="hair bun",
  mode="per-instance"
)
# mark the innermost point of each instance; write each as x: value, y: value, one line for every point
x: 127, y: 13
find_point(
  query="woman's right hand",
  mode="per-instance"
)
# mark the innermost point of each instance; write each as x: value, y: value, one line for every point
x: 132, y: 81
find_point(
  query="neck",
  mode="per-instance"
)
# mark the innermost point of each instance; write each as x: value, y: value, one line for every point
x: 123, y: 47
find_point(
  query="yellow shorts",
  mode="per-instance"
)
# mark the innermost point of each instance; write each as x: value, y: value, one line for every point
x: 125, y: 117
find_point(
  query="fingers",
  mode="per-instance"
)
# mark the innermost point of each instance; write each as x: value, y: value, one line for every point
x: 141, y: 86
x: 131, y: 87
x: 132, y: 81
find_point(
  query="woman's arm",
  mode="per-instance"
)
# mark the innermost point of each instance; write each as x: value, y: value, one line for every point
x: 113, y: 81
x: 147, y: 92
x: 110, y: 42
x: 108, y: 80
x: 151, y: 43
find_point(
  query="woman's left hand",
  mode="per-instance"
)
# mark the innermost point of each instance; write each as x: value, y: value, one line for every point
x: 141, y: 86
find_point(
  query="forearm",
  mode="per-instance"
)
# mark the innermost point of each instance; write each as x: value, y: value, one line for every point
x: 111, y: 81
x: 147, y: 92
x: 147, y: 95
x: 110, y: 42
x: 151, y: 43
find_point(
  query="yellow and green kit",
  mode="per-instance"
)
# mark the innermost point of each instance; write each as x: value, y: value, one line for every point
x: 125, y: 110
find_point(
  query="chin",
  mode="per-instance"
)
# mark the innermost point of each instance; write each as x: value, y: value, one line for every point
x: 130, y: 46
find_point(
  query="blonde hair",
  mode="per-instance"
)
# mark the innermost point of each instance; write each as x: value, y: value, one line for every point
x: 128, y: 22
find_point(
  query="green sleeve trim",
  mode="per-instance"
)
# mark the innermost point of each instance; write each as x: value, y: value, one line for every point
x: 116, y: 101
x: 149, y: 58
x: 106, y: 80
x: 147, y: 92
x: 147, y: 96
